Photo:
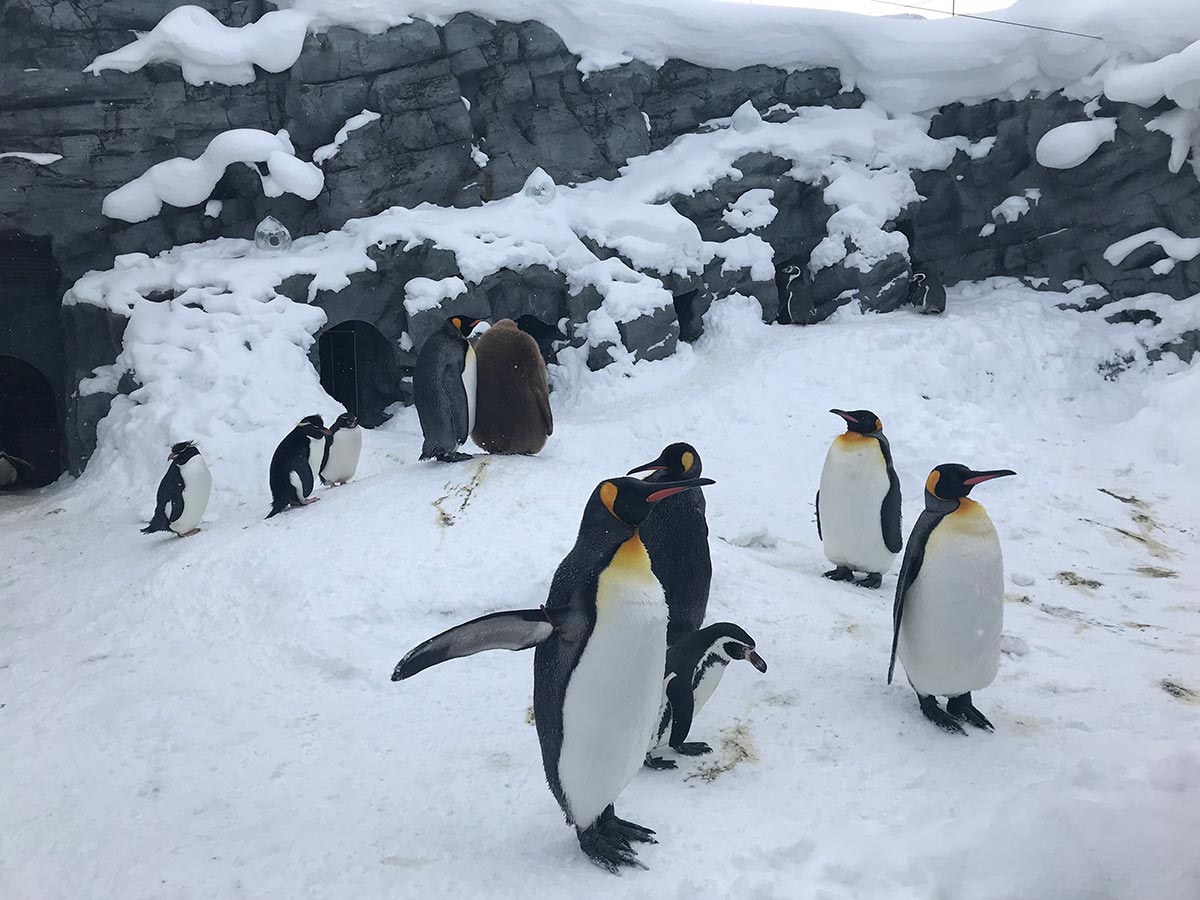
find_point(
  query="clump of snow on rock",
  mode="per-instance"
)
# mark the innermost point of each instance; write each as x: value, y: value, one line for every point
x: 330, y: 150
x: 421, y: 294
x: 540, y: 186
x: 188, y: 182
x: 38, y: 159
x: 193, y: 39
x: 1178, y: 249
x: 1070, y: 145
x: 751, y: 211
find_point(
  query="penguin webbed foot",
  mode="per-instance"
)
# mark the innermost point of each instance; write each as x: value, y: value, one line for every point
x: 454, y: 457
x: 190, y: 533
x: 960, y: 707
x: 606, y: 852
x: 938, y: 716
x: 309, y: 501
x: 841, y: 573
x: 871, y: 580
x: 692, y: 748
x: 615, y: 827
x: 659, y: 763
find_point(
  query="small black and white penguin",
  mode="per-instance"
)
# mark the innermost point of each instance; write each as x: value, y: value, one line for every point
x: 858, y: 504
x: 183, y: 492
x: 949, y: 608
x: 342, y: 449
x: 296, y: 463
x: 444, y: 381
x: 676, y: 537
x: 927, y: 293
x: 695, y: 664
x: 10, y: 474
x: 598, y: 669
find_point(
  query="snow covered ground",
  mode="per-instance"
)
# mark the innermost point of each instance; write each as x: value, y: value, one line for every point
x: 214, y: 717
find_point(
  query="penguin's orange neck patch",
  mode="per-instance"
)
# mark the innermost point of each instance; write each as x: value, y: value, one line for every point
x: 631, y: 558
x: 848, y: 439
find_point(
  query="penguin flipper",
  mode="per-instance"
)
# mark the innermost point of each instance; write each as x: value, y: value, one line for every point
x: 168, y: 504
x: 683, y: 705
x: 889, y: 512
x: 517, y: 629
x: 306, y: 475
x: 541, y: 392
x: 325, y: 455
x: 910, y: 568
x: 456, y: 401
x: 817, y: 504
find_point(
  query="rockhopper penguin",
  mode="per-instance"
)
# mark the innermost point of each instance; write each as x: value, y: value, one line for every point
x: 183, y: 492
x: 296, y: 463
x: 342, y: 449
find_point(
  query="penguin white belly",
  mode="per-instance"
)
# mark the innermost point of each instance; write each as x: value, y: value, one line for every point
x: 469, y: 380
x: 343, y: 455
x: 954, y: 610
x: 8, y: 473
x: 197, y: 486
x: 710, y: 677
x: 613, y: 699
x: 316, y: 452
x: 854, y: 482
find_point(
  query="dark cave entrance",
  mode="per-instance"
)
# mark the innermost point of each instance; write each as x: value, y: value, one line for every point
x: 31, y: 357
x: 359, y: 369
x: 29, y: 422
x: 544, y: 333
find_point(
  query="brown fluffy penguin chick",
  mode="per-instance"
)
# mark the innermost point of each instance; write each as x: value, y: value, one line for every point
x: 512, y: 399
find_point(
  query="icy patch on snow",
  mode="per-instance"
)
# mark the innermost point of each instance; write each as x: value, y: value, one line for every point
x: 207, y: 51
x: 751, y: 211
x: 1073, y: 144
x: 38, y: 159
x: 1179, y: 249
x: 188, y: 182
x: 421, y: 294
x: 1012, y: 208
x: 328, y: 151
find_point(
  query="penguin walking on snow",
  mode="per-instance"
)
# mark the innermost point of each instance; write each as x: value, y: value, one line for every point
x: 676, y: 537
x: 949, y: 608
x: 444, y: 390
x: 598, y: 670
x: 342, y: 449
x: 858, y: 505
x: 296, y: 463
x: 695, y: 664
x: 183, y: 492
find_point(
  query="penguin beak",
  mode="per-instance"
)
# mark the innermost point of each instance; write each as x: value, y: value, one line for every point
x: 755, y: 660
x: 171, y: 456
x: 670, y: 491
x: 326, y: 432
x: 988, y: 475
x: 655, y: 466
x: 845, y: 415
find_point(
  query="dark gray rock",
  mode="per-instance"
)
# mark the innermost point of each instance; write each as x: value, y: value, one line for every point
x: 652, y: 336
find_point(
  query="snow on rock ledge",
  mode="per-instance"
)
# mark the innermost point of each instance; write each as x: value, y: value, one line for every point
x: 1073, y: 144
x: 188, y: 182
x: 206, y: 50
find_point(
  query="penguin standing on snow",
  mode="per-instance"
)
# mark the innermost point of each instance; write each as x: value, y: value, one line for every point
x: 676, y: 537
x: 949, y: 607
x: 858, y: 505
x: 695, y: 664
x: 342, y: 449
x: 183, y: 492
x: 598, y: 669
x: 514, y: 394
x: 444, y: 390
x: 295, y: 465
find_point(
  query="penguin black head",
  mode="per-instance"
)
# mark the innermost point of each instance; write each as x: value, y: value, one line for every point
x: 861, y: 421
x: 183, y: 451
x: 345, y: 420
x: 952, y: 481
x: 464, y: 325
x: 736, y: 644
x: 312, y: 426
x: 677, y: 461
x: 630, y: 500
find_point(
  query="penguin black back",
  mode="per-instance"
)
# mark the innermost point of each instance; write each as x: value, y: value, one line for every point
x: 292, y: 477
x: 676, y: 537
x: 440, y: 392
x: 169, y: 500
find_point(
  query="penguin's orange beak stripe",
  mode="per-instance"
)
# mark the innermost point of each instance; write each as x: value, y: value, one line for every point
x: 845, y: 415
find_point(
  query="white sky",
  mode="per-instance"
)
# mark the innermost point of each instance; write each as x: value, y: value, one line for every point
x: 928, y: 8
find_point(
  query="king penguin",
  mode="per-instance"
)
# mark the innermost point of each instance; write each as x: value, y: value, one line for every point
x: 695, y: 664
x: 183, y: 492
x: 598, y: 668
x: 342, y: 449
x: 949, y: 607
x: 444, y: 389
x: 514, y: 393
x: 296, y: 463
x: 858, y: 504
x: 676, y: 537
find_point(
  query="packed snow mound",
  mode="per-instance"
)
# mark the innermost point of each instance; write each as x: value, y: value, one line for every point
x: 207, y: 51
x: 188, y: 182
x: 751, y: 211
x: 330, y: 150
x: 1073, y: 144
x: 1176, y: 77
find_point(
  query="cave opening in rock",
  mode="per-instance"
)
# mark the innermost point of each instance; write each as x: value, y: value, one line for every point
x: 29, y: 428
x: 690, y: 325
x: 544, y: 333
x: 31, y: 356
x: 359, y: 369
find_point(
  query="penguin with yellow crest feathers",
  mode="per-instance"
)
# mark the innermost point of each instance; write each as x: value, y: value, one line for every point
x: 858, y: 505
x: 949, y: 608
x: 598, y: 669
